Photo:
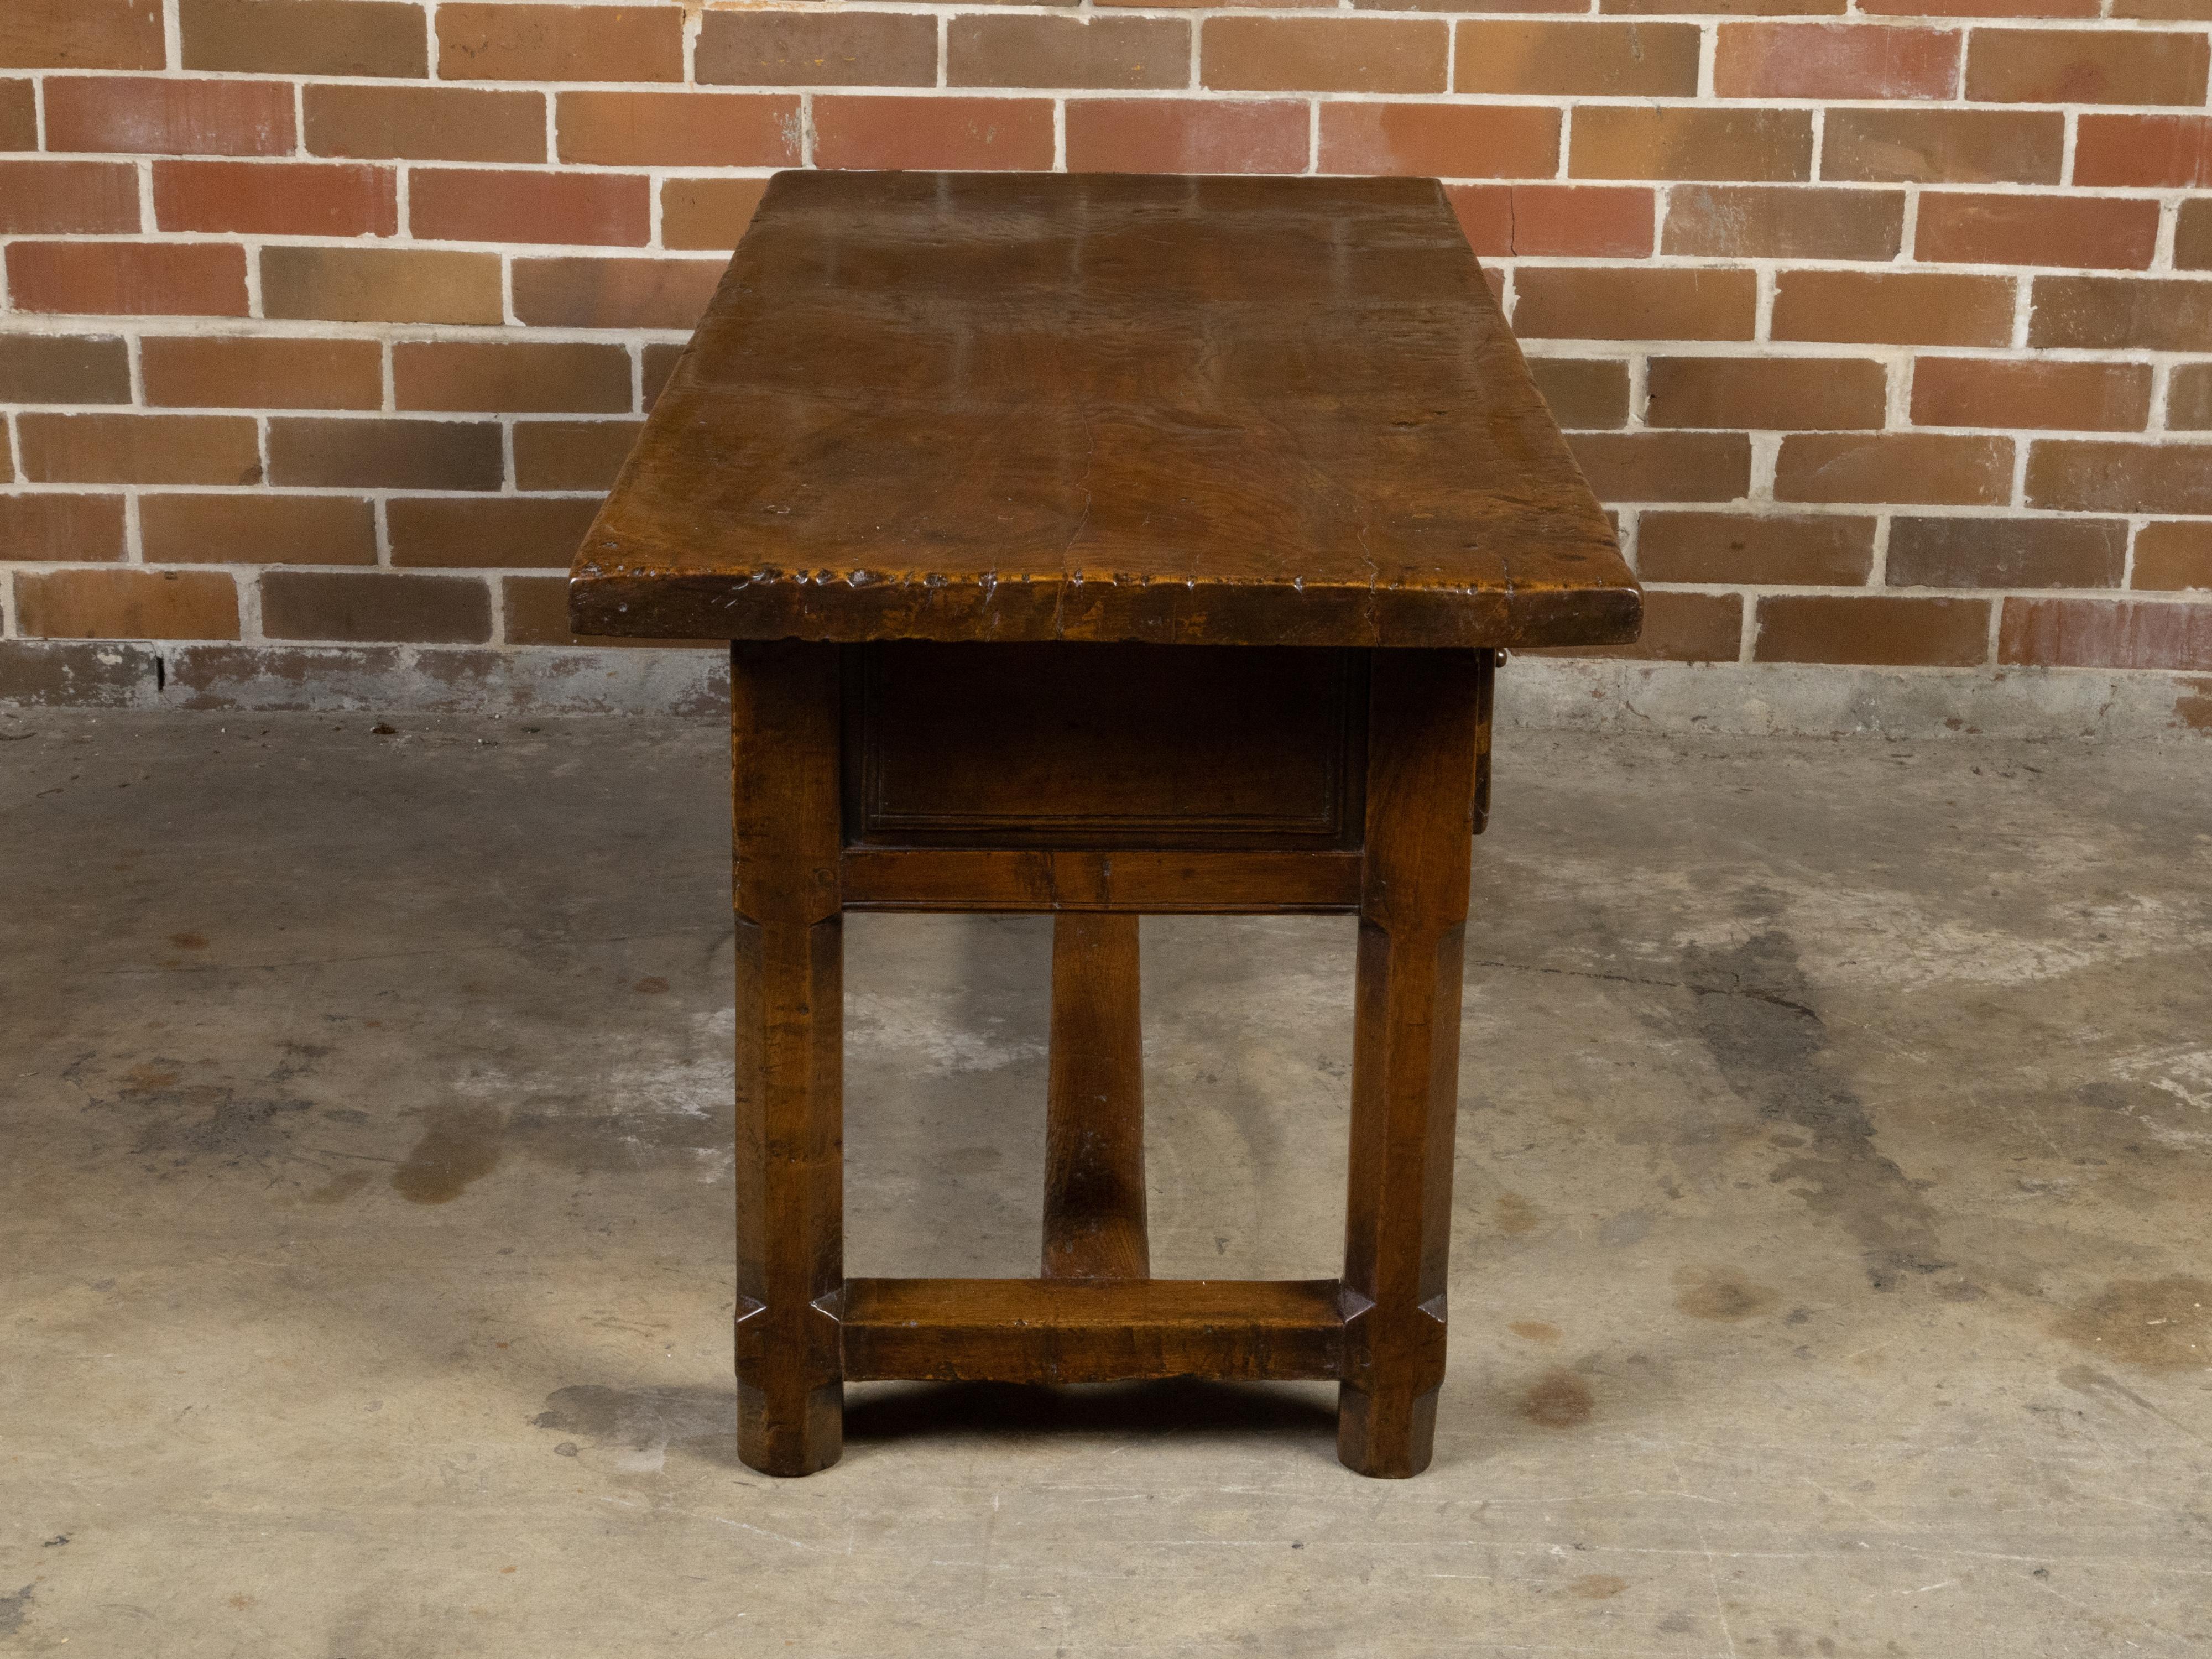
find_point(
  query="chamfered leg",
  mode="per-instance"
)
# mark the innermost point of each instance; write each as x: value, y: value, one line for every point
x: 1423, y: 740
x: 790, y: 1146
x: 1094, y: 1196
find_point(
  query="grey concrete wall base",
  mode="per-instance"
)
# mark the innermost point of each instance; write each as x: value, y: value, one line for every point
x: 1819, y: 700
x: 1535, y: 693
x: 103, y: 674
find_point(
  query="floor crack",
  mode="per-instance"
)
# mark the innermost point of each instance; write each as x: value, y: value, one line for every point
x: 1752, y: 992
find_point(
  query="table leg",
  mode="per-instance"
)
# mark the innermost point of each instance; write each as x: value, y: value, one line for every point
x: 790, y: 1148
x: 1422, y: 743
x: 1094, y: 1196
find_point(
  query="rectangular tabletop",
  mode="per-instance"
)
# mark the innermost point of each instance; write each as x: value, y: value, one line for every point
x: 1040, y: 406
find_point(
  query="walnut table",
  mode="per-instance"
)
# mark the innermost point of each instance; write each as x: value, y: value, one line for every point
x: 1101, y: 545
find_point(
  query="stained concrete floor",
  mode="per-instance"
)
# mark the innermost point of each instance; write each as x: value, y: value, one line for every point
x: 1831, y: 1270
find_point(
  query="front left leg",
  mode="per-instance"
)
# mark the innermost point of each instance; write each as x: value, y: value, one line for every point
x: 790, y: 1141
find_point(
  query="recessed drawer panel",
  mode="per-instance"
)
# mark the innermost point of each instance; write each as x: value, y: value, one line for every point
x: 1103, y: 746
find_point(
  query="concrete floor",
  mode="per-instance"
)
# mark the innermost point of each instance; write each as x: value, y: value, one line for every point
x: 1832, y: 1272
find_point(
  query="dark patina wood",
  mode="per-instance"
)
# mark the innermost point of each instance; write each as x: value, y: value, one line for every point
x: 1094, y: 1143
x: 1097, y: 547
x: 1072, y: 1330
x: 1424, y: 725
x: 790, y: 993
x: 1028, y: 406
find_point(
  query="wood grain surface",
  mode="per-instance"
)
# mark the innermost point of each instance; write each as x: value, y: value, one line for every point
x: 1091, y: 1330
x: 1094, y: 1158
x: 1037, y: 406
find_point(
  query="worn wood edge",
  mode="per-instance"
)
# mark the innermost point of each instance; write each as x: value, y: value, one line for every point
x: 1037, y: 881
x: 1072, y: 1330
x: 768, y: 606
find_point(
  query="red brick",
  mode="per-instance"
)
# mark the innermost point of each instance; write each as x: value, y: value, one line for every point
x: 56, y: 529
x: 164, y: 117
x: 276, y: 198
x: 1726, y: 7
x: 364, y: 607
x: 310, y: 452
x: 1453, y: 141
x: 380, y: 285
x: 2151, y: 150
x: 2192, y: 236
x: 614, y: 293
x: 1664, y: 466
x: 2112, y: 231
x: 1595, y: 222
x: 425, y: 124
x: 61, y: 198
x: 481, y: 205
x: 679, y: 129
x: 1983, y: 550
x: 571, y: 454
x: 1944, y: 146
x: 1013, y: 133
x: 81, y: 34
x: 2103, y: 475
x: 1681, y: 628
x: 2102, y: 66
x: 1185, y: 135
x: 1835, y: 60
x: 262, y: 372
x: 1324, y: 54
x: 516, y: 377
x: 1517, y: 7
x: 500, y: 531
x: 1121, y: 53
x: 1873, y: 628
x: 19, y: 116
x: 1601, y: 304
x: 2189, y: 398
x: 1935, y: 469
x: 1643, y: 141
x: 1804, y: 394
x: 708, y: 213
x: 1894, y: 308
x: 305, y: 37
x: 1979, y: 8
x: 510, y: 42
x: 2105, y: 634
x: 2122, y: 314
x: 2077, y: 396
x: 660, y: 358
x: 157, y: 449
x: 2173, y: 555
x: 1751, y: 221
x: 536, y: 611
x: 115, y: 279
x: 260, y: 528
x: 1585, y: 59
x: 774, y: 48
x: 64, y: 368
x: 127, y: 604
x: 1814, y: 550
x: 1583, y: 393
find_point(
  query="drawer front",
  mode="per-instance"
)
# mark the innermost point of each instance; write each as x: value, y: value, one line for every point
x: 1074, y: 745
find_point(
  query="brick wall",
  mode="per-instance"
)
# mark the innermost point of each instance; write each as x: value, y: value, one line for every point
x: 1888, y: 330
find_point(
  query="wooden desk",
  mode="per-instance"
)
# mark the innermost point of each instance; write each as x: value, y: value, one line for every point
x: 1100, y: 545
